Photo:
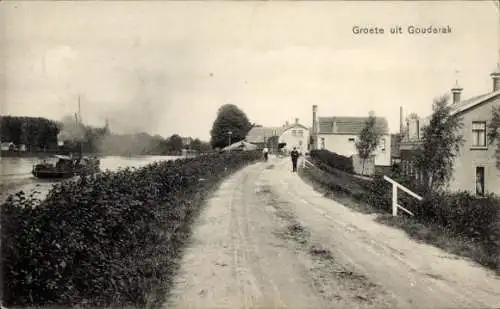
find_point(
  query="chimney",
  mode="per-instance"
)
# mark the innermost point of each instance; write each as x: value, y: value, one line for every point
x: 314, y: 132
x: 315, y: 119
x: 296, y: 120
x: 401, y: 129
x: 496, y: 78
x: 456, y: 91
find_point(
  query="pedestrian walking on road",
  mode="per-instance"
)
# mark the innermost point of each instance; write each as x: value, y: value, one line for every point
x: 295, y: 157
x: 265, y: 151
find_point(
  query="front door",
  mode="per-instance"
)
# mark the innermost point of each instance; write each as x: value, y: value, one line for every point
x: 480, y: 180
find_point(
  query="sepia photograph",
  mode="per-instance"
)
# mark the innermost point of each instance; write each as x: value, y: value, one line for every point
x: 249, y: 154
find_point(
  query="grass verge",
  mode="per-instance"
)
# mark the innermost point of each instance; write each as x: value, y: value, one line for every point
x: 340, y: 190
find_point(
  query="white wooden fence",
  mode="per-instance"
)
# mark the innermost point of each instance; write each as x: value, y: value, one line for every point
x: 395, y: 187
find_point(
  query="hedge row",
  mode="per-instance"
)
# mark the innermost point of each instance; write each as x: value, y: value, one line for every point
x: 324, y: 159
x: 461, y: 214
x: 337, y: 181
x: 109, y: 238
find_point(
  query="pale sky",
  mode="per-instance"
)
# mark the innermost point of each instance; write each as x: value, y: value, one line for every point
x: 166, y: 67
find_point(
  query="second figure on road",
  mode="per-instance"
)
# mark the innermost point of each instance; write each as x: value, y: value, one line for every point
x: 265, y: 151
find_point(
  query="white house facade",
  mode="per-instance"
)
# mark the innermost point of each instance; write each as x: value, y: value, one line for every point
x: 475, y: 166
x: 340, y: 134
x: 295, y: 136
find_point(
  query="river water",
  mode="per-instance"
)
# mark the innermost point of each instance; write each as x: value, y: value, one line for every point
x: 15, y: 173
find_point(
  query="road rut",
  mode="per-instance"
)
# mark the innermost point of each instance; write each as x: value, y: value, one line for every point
x: 268, y: 240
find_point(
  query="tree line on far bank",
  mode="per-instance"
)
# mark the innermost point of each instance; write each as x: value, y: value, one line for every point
x: 39, y: 134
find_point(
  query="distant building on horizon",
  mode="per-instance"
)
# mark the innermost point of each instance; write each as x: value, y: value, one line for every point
x: 293, y: 135
x: 186, y: 141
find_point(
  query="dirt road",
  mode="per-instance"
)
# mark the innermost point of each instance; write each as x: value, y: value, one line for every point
x: 267, y: 240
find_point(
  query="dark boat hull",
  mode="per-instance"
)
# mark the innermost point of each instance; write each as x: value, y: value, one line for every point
x: 52, y: 174
x: 66, y: 167
x: 47, y: 173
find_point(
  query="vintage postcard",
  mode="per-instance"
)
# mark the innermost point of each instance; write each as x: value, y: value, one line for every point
x: 250, y: 154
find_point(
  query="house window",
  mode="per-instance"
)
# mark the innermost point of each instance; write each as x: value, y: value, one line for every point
x: 480, y: 180
x: 294, y: 132
x: 382, y: 144
x: 301, y: 133
x: 351, y: 139
x: 412, y: 169
x: 322, y: 143
x: 479, y: 134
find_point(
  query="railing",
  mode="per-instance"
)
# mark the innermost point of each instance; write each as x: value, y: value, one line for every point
x: 395, y: 187
x: 306, y: 161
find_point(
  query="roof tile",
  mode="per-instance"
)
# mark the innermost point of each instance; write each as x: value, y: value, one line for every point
x: 349, y: 125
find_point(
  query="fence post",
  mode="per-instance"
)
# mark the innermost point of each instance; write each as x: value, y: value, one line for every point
x: 394, y: 200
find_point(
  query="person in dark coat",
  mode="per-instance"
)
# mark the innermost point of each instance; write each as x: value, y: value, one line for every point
x: 295, y: 157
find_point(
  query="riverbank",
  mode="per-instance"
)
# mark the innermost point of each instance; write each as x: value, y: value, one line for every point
x: 36, y: 154
x: 16, y: 172
x: 25, y: 154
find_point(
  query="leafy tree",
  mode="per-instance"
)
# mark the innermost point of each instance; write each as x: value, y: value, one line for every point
x: 441, y: 143
x: 493, y: 132
x: 175, y: 143
x: 200, y: 146
x: 369, y: 138
x: 196, y: 144
x: 229, y: 118
x: 41, y: 134
x: 412, y: 116
x: 272, y: 142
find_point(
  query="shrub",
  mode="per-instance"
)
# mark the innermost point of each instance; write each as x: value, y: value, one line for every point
x: 337, y: 181
x: 333, y: 160
x: 379, y: 194
x: 461, y: 213
x: 108, y: 238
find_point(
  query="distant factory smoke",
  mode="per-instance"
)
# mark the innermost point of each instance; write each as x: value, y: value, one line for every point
x: 71, y: 130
